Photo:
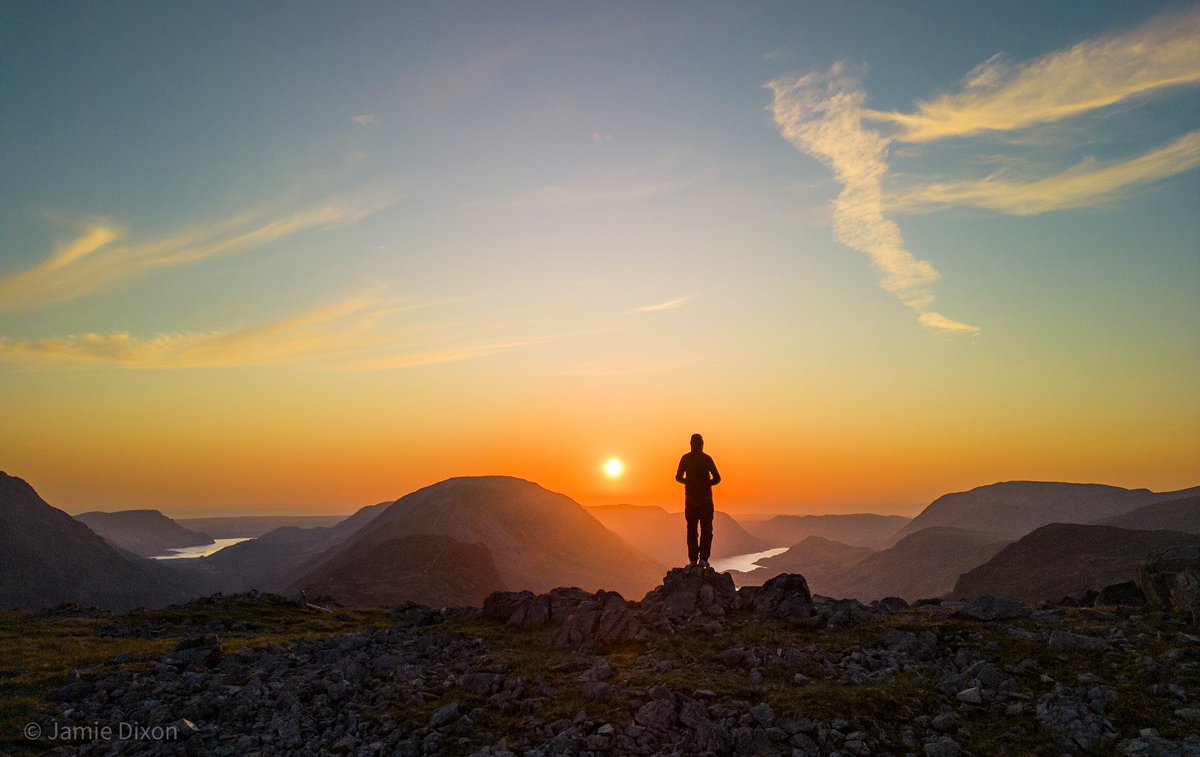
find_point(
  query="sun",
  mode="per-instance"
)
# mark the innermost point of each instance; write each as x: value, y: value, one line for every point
x: 613, y: 467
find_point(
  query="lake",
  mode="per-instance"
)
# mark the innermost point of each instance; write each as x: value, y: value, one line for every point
x: 202, y: 550
x: 744, y: 563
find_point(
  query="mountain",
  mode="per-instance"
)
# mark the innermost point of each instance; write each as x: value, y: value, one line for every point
x: 48, y: 558
x: 663, y: 535
x: 922, y: 564
x: 146, y: 533
x: 424, y: 568
x: 1173, y: 515
x: 1063, y: 558
x: 1015, y: 508
x: 250, y: 526
x: 818, y: 560
x: 538, y: 539
x: 859, y: 530
x: 273, y: 561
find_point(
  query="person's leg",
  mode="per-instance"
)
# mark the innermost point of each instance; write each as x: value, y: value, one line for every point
x: 706, y: 533
x: 693, y: 519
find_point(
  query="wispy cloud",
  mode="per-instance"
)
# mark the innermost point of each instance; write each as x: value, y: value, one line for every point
x: 364, y: 119
x: 358, y: 334
x: 942, y: 323
x: 661, y: 306
x: 1098, y: 73
x: 1085, y: 184
x: 96, y: 259
x: 822, y: 115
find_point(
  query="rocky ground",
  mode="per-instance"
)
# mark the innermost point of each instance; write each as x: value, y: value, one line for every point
x: 694, y: 668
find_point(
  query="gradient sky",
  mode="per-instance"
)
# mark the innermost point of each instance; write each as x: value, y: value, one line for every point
x: 265, y: 256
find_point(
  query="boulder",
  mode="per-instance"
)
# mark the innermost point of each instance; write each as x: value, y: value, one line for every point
x: 1170, y: 581
x: 785, y: 596
x: 688, y: 593
x: 197, y: 652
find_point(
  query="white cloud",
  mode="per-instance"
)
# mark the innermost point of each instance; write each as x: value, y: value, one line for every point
x: 364, y: 119
x: 1085, y: 184
x: 999, y: 97
x: 822, y: 115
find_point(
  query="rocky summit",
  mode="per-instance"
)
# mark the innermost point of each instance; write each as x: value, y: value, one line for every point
x: 693, y: 668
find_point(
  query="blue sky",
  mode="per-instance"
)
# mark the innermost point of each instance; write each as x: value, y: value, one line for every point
x: 780, y: 207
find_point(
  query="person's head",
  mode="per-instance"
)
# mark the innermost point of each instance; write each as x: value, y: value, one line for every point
x: 697, y: 442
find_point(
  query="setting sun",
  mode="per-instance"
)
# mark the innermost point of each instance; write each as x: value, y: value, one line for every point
x: 613, y: 467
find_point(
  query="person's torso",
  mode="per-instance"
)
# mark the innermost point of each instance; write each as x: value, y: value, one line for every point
x: 696, y: 467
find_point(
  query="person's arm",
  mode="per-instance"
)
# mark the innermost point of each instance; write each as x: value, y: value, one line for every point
x: 679, y: 472
x: 712, y: 468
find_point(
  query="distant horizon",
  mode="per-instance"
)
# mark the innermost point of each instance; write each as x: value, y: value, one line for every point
x: 343, y: 511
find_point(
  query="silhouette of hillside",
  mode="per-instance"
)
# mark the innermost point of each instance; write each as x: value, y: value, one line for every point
x: 922, y: 564
x: 429, y: 569
x: 146, y: 533
x: 1063, y: 558
x: 1015, y: 508
x: 48, y: 558
x: 1172, y: 515
x: 539, y: 539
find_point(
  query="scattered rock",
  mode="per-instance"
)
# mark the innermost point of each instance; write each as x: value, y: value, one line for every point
x: 989, y: 608
x: 1060, y: 639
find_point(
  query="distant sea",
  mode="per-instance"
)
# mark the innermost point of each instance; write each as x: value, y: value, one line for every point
x: 203, y: 550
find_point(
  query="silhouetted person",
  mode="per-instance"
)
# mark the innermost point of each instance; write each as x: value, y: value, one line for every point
x: 698, y: 474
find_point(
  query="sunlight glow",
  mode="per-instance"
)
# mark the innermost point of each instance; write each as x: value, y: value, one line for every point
x: 613, y: 467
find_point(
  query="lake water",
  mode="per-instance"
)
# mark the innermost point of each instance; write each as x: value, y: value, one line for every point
x: 203, y: 550
x: 745, y: 562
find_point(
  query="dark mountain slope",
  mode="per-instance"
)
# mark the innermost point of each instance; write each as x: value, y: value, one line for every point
x: 1063, y: 558
x: 432, y: 570
x: 922, y: 564
x: 1172, y: 515
x: 48, y: 558
x: 538, y: 539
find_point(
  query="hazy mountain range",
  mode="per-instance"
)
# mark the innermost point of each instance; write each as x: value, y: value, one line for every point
x: 456, y: 541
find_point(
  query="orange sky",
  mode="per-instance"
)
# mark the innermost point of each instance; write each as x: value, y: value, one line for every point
x: 873, y: 255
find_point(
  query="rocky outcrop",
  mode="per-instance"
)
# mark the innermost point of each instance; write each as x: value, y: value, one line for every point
x: 599, y: 620
x: 688, y: 594
x: 525, y: 609
x: 1170, y: 580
